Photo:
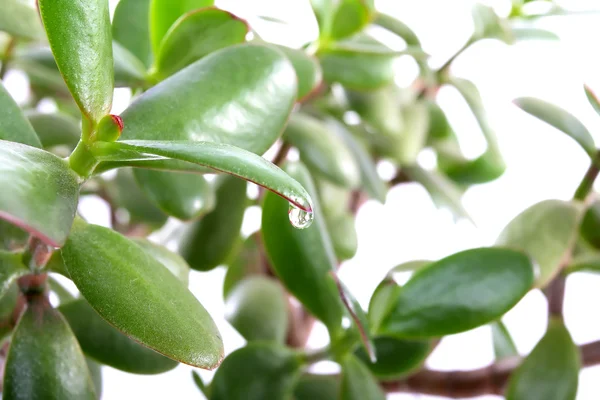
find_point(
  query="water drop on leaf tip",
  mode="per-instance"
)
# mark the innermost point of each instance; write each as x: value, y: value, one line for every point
x: 300, y: 219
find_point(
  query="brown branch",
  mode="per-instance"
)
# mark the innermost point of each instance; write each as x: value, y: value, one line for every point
x: 282, y: 154
x: 555, y: 293
x: 400, y: 177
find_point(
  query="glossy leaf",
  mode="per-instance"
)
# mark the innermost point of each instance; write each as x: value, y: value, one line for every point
x: 182, y: 195
x: 11, y: 267
x: 19, y: 19
x: 256, y: 372
x: 303, y: 259
x: 140, y: 297
x: 44, y: 359
x: 317, y: 387
x: 14, y: 126
x: 550, y: 371
x: 590, y: 224
x: 560, y: 119
x: 322, y: 150
x: 440, y: 299
x: 105, y: 344
x: 55, y: 129
x: 546, y: 232
x: 82, y: 47
x: 164, y: 13
x: 39, y: 192
x: 308, y: 71
x: 209, y: 242
x: 257, y: 308
x: 357, y: 381
x: 504, y: 346
x: 395, y: 357
x: 197, y: 34
x: 398, y: 27
x: 248, y: 261
x: 130, y: 27
x: 350, y: 17
x: 172, y: 261
x: 129, y: 71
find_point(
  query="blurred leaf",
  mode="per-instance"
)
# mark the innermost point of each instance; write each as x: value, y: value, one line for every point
x: 182, y: 195
x: 164, y: 13
x: 257, y: 308
x: 357, y: 381
x: 584, y: 262
x: 137, y: 295
x: 96, y: 375
x: 129, y: 70
x: 248, y: 261
x: 395, y: 357
x: 322, y: 150
x: 416, y: 125
x: 590, y: 224
x: 130, y: 27
x: 11, y: 236
x: 520, y: 33
x: 382, y: 301
x: 64, y: 296
x: 343, y: 235
x: 359, y: 318
x: 308, y: 71
x: 317, y: 387
x: 350, y: 17
x: 45, y: 355
x: 560, y: 119
x: 172, y: 261
x: 398, y: 27
x: 8, y: 302
x: 82, y: 47
x: 258, y: 371
x: 458, y: 293
x: 18, y: 18
x: 14, y: 126
x: 105, y: 344
x: 545, y: 231
x: 551, y: 371
x: 303, y: 259
x: 197, y: 34
x: 381, y: 109
x: 487, y: 24
x: 55, y: 129
x: 41, y: 69
x: 200, y: 384
x: 11, y: 268
x: 504, y: 346
x: 592, y: 98
x: 439, y: 128
x: 39, y: 192
x: 210, y: 241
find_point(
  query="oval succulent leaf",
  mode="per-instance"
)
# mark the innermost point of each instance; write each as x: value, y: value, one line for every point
x: 504, y: 346
x: 39, y: 192
x: 317, y: 387
x: 82, y: 47
x: 131, y: 28
x: 19, y: 19
x: 357, y: 381
x: 439, y: 299
x: 55, y: 129
x: 172, y: 261
x: 397, y: 27
x: 14, y: 126
x: 129, y: 71
x: 248, y: 261
x: 592, y: 98
x: 140, y: 297
x: 11, y: 267
x: 44, y: 359
x: 308, y: 71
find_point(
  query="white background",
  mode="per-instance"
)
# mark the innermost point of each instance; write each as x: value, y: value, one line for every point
x: 542, y: 164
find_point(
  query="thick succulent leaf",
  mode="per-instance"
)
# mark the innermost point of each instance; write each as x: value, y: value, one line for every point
x: 504, y: 346
x: 129, y: 71
x: 11, y: 267
x: 14, y: 126
x: 416, y: 124
x: 545, y: 231
x: 343, y: 235
x: 19, y: 19
x: 529, y: 33
x: 488, y: 24
x: 39, y: 192
x: 322, y: 150
x: 398, y: 27
x: 560, y: 119
x: 130, y: 27
x: 96, y: 375
x: 219, y: 157
x: 140, y: 297
x: 256, y: 372
x: 350, y: 17
x: 58, y: 129
x: 195, y: 35
x: 395, y: 357
x: 105, y: 344
x: 257, y: 307
x: 8, y: 302
x: 439, y: 127
x: 182, y: 195
x: 308, y: 71
x: 458, y: 293
x: 164, y: 13
x: 11, y: 236
x: 584, y: 262
x: 359, y: 319
x: 382, y: 301
x: 82, y: 47
x: 172, y: 261
x: 380, y: 109
x: 41, y: 69
x: 44, y: 360
x: 551, y: 371
x: 210, y: 241
x: 357, y: 381
x: 317, y: 387
x: 303, y: 259
x: 248, y: 261
x: 592, y: 98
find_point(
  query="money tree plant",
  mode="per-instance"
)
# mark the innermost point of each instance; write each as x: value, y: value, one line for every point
x: 209, y: 98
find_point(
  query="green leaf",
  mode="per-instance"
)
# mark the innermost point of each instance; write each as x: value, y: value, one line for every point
x: 14, y: 126
x: 200, y: 384
x: 343, y: 235
x: 39, y: 192
x: 584, y: 262
x: 308, y: 71
x: 350, y: 17
x: 82, y: 47
x: 592, y: 98
x: 220, y: 157
x: 416, y: 124
x: 551, y: 371
x: 182, y: 195
x: 129, y: 71
x: 322, y: 150
x: 172, y: 261
x: 560, y: 119
x: 105, y: 344
x: 380, y: 110
x: 210, y: 241
x: 12, y: 237
x: 197, y: 34
x: 488, y: 24
x: 257, y: 307
x: 458, y: 293
x: 44, y: 360
x: 140, y: 297
x: 55, y: 129
x: 357, y: 381
x: 398, y: 27
x: 248, y: 261
x: 130, y: 27
x: 382, y: 301
x: 43, y: 74
x: 17, y: 18
x: 258, y: 371
x: 523, y: 33
x: 303, y: 259
x: 504, y: 346
x: 546, y: 232
x: 439, y: 127
x: 96, y: 375
x: 590, y: 224
x: 164, y: 13
x: 359, y: 318
x: 11, y: 268
x: 317, y: 387
x: 64, y: 296
x: 8, y: 302
x: 395, y: 357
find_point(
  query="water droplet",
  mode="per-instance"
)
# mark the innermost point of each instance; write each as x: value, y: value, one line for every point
x: 300, y: 219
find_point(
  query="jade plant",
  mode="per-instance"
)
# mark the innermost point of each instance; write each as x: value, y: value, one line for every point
x: 209, y: 98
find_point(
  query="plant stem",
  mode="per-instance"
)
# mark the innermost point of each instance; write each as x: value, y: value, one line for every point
x: 587, y: 183
x: 281, y: 155
x: 82, y: 160
x: 7, y: 56
x: 444, y: 68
